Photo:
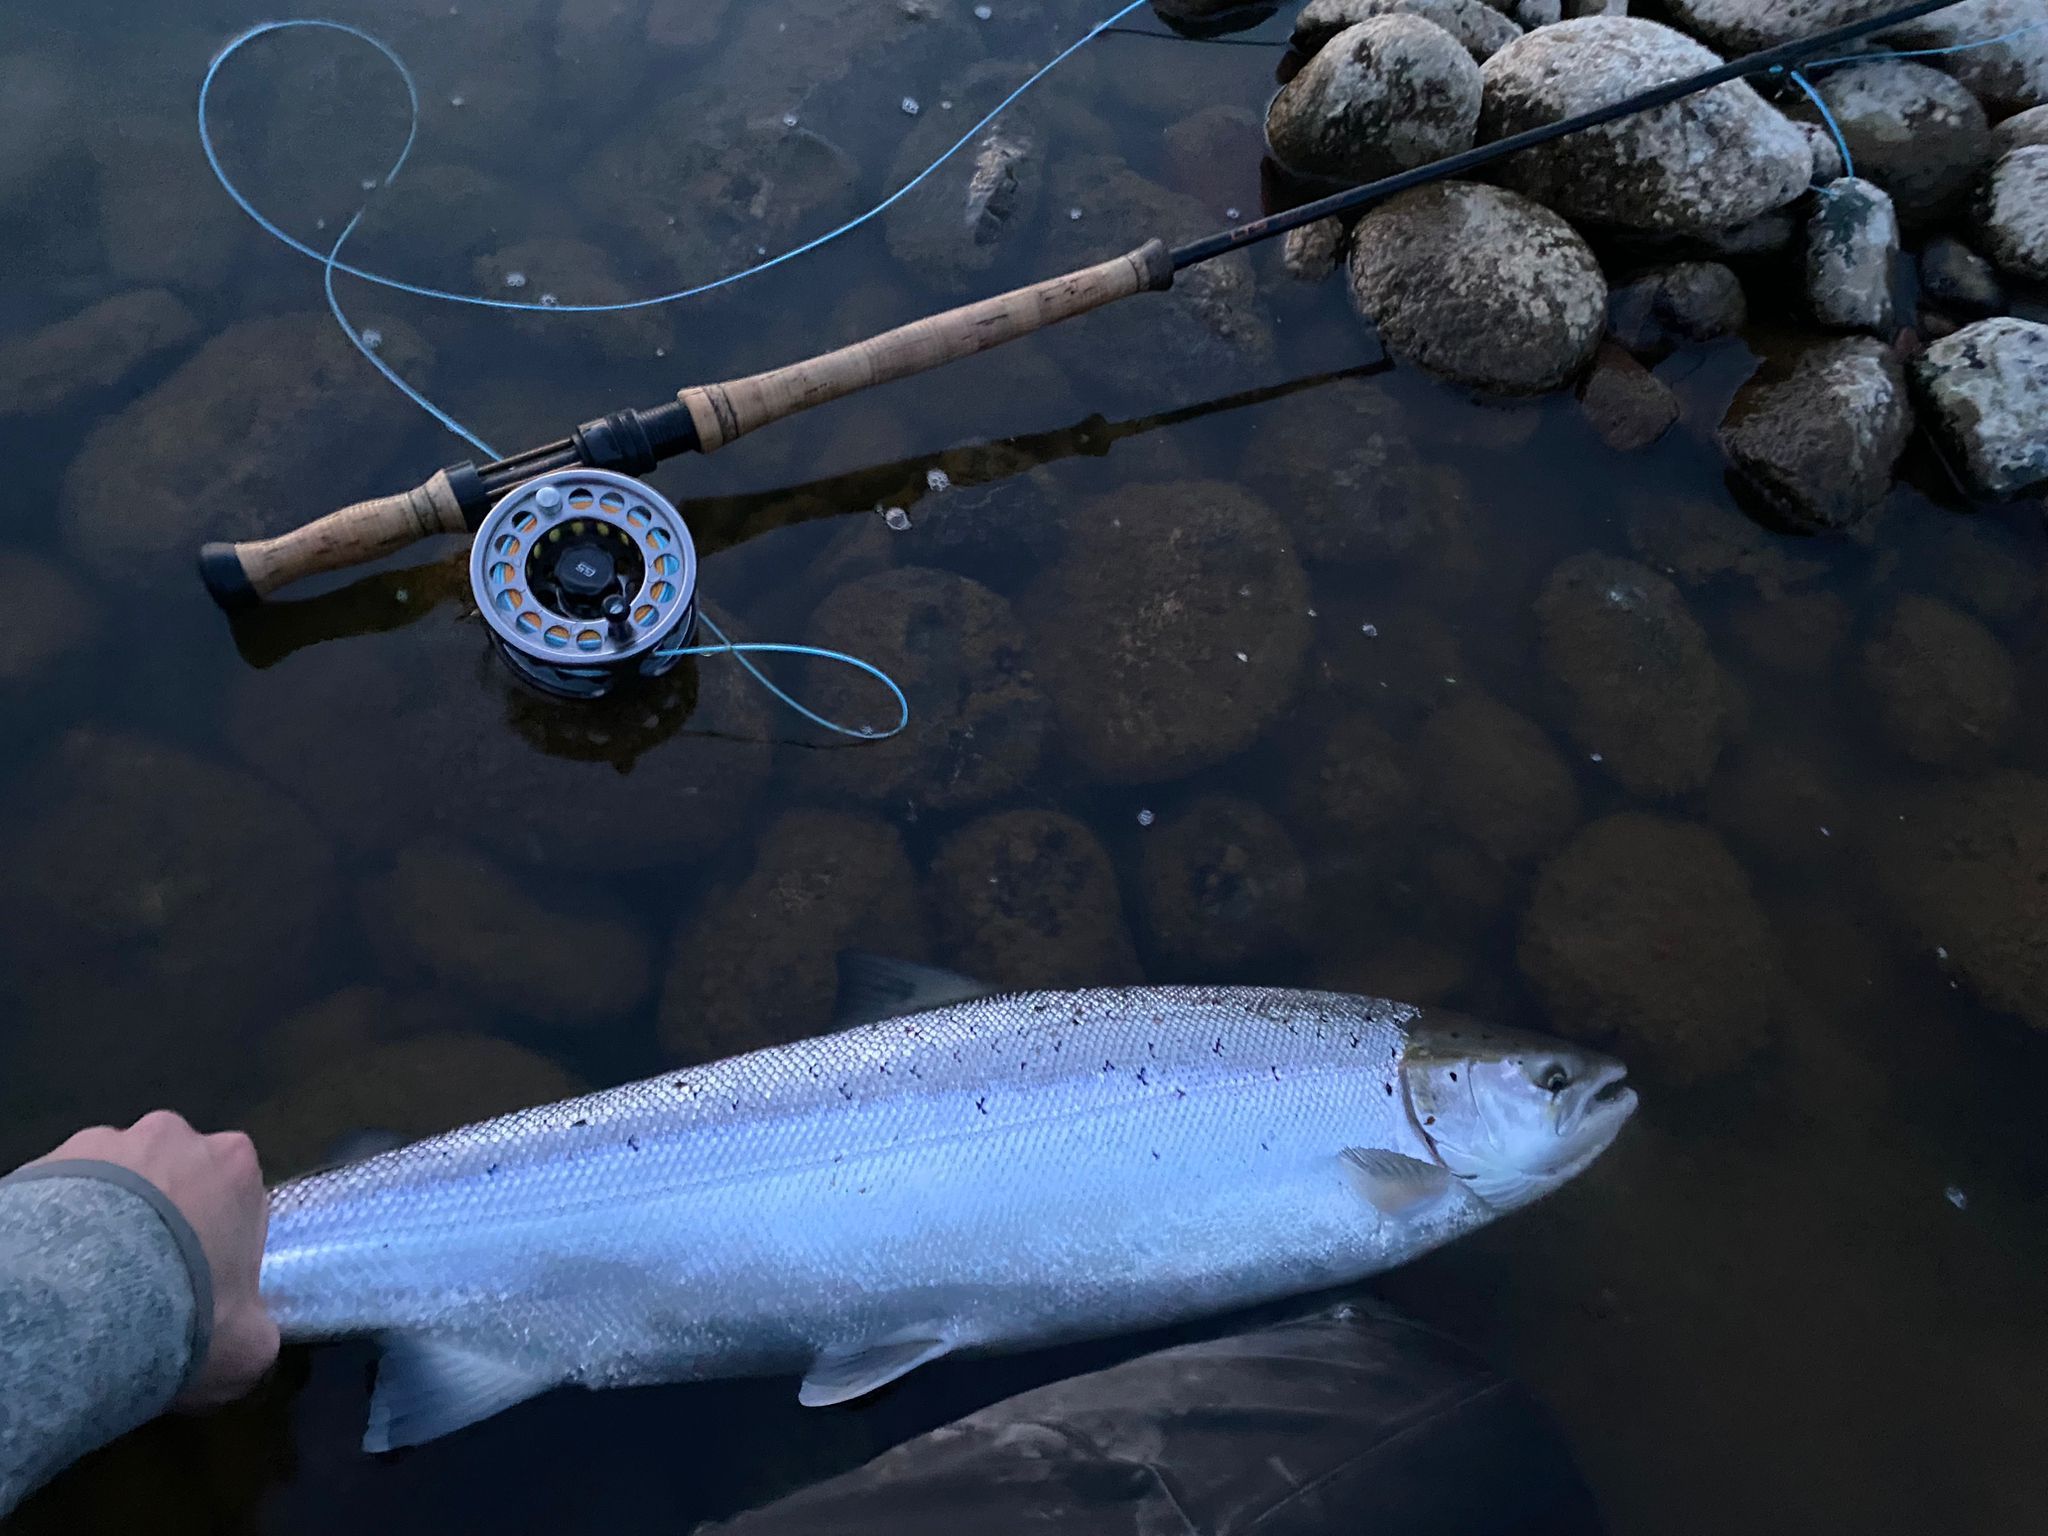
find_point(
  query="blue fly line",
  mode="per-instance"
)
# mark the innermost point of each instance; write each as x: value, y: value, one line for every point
x: 331, y: 263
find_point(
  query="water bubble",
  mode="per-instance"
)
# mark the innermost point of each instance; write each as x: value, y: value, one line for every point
x: 910, y: 107
x: 661, y: 351
x: 1145, y: 818
x: 937, y: 480
x: 945, y: 106
x: 1370, y: 631
x: 1242, y: 657
x: 760, y: 250
x: 1955, y: 1197
x: 1596, y: 757
x: 1230, y: 213
x: 402, y: 595
x: 454, y: 101
x: 549, y: 300
x: 369, y: 183
x: 1941, y: 951
x: 1073, y: 213
x: 789, y: 119
x: 897, y: 519
x: 984, y: 12
x: 515, y: 279
x: 372, y: 337
x: 1311, y: 613
x: 319, y: 223
x: 1824, y: 832
x: 1245, y: 590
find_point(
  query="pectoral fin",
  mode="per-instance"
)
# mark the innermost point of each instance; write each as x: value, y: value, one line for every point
x: 840, y: 1375
x: 873, y: 988
x: 429, y: 1387
x: 1394, y: 1184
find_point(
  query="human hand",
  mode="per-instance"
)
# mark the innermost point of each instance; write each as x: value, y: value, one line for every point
x: 217, y: 1185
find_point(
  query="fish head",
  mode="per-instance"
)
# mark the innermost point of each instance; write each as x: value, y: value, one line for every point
x: 1512, y: 1114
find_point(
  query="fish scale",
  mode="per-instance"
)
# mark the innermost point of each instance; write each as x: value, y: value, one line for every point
x: 996, y: 1173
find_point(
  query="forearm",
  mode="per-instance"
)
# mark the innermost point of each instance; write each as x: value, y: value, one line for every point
x: 105, y: 1304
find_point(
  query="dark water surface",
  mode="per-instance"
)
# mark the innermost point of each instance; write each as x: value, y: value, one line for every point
x: 1765, y: 815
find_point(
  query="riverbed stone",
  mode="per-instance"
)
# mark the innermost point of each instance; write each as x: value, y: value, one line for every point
x: 1629, y: 406
x: 2012, y: 213
x: 48, y: 615
x: 1028, y: 898
x: 2028, y: 127
x: 1480, y: 286
x: 758, y: 964
x: 576, y: 272
x: 1744, y: 26
x: 1911, y: 129
x: 1480, y: 28
x: 1388, y: 94
x: 1659, y: 310
x: 978, y: 206
x: 1311, y: 252
x: 1852, y: 244
x: 1643, y: 688
x: 1644, y: 934
x: 1493, y: 774
x: 1984, y: 393
x: 2001, y: 50
x: 1692, y: 167
x: 1945, y: 688
x: 1172, y: 633
x: 94, y: 349
x: 1818, y: 440
x: 1223, y: 884
x: 1957, y: 278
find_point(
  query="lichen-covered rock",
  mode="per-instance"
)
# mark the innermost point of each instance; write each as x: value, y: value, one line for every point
x: 1029, y: 899
x: 576, y: 272
x: 95, y: 349
x: 1658, y: 311
x: 1796, y: 635
x: 956, y: 223
x: 1852, y: 242
x: 408, y: 1089
x: 1694, y: 166
x: 978, y: 718
x: 1480, y: 286
x: 2001, y: 51
x: 1481, y: 28
x: 1945, y: 688
x: 1493, y: 774
x: 1531, y: 13
x: 1743, y: 26
x: 1173, y: 631
x: 1827, y: 153
x: 1629, y: 406
x: 1310, y: 253
x: 2012, y: 212
x: 1385, y: 95
x: 1697, y: 539
x: 1984, y: 392
x: 1911, y: 129
x: 1953, y: 275
x: 48, y: 614
x: 2028, y: 127
x: 1355, y: 781
x: 226, y: 447
x: 1223, y: 883
x: 1644, y: 934
x: 483, y: 929
x: 1340, y: 462
x: 1645, y: 691
x: 1818, y: 440
x: 758, y: 965
x: 1967, y: 870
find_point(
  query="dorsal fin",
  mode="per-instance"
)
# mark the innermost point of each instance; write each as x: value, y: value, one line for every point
x: 872, y: 987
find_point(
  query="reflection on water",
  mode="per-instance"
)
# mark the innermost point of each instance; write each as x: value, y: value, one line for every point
x: 1232, y: 652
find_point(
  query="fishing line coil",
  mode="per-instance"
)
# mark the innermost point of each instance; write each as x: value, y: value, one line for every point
x: 585, y: 579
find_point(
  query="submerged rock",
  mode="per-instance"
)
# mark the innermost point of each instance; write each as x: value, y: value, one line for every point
x: 956, y: 223
x: 1743, y: 26
x: 1311, y: 252
x: 1493, y: 774
x: 1480, y: 286
x: 95, y: 349
x: 1984, y: 392
x: 1818, y: 441
x: 1852, y: 242
x: 1355, y: 781
x: 1695, y: 166
x: 48, y: 614
x: 1911, y: 129
x: 2001, y: 51
x: 2012, y: 213
x: 163, y: 219
x: 758, y: 964
x: 2028, y: 127
x: 1388, y: 94
x: 1954, y: 275
x: 978, y: 717
x: 1173, y: 631
x: 1967, y: 869
x: 1482, y: 29
x: 1629, y: 406
x: 683, y: 24
x: 1646, y: 693
x: 39, y: 116
x: 1223, y: 883
x: 1827, y: 153
x: 1029, y: 899
x: 1697, y: 539
x: 1644, y: 934
x: 1798, y: 636
x: 226, y: 446
x: 1945, y: 688
x: 1656, y: 312
x: 577, y: 272
x: 483, y: 929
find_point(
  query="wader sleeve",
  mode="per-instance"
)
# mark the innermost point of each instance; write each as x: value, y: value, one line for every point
x: 106, y: 1312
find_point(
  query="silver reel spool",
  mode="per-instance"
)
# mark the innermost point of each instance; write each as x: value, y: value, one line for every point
x: 585, y: 577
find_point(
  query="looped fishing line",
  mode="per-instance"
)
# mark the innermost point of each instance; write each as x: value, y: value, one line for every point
x: 331, y: 263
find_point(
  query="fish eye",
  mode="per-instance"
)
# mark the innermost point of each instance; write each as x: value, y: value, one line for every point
x: 1555, y: 1079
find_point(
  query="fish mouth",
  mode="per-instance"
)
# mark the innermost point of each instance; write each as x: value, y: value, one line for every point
x: 1610, y: 1099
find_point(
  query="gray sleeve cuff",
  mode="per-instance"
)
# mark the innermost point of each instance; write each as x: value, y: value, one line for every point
x: 196, y: 1268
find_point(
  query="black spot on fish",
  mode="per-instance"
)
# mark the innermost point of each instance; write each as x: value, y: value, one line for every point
x: 844, y: 1093
x: 1142, y: 1079
x: 1454, y: 1077
x: 1390, y: 1089
x: 633, y: 1142
x: 1108, y: 1065
x: 491, y: 1172
x: 1429, y: 1119
x: 1264, y: 1148
x: 885, y: 1069
x: 1354, y: 1041
x: 1276, y: 1073
x: 681, y: 1085
x: 1180, y: 1093
x: 579, y: 1124
x: 1155, y: 1157
x: 982, y: 1105
x: 1151, y: 1049
x: 1217, y: 1048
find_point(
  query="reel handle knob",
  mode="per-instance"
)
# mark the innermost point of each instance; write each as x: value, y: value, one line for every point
x: 239, y: 575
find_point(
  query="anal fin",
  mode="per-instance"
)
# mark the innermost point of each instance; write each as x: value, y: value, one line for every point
x: 1395, y: 1184
x: 840, y: 1375
x: 429, y: 1387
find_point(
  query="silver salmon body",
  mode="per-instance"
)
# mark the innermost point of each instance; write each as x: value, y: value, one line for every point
x: 967, y: 1173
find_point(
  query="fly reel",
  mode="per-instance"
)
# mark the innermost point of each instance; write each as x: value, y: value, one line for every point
x: 587, y: 579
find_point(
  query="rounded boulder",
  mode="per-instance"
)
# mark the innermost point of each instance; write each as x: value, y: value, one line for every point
x: 1388, y: 94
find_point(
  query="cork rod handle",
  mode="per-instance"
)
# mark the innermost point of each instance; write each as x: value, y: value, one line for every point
x: 239, y: 574
x: 723, y: 412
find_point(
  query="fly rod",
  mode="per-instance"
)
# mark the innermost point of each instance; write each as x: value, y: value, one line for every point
x: 704, y: 417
